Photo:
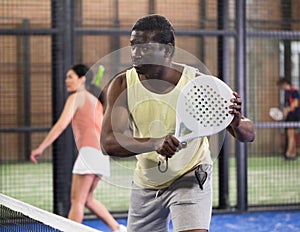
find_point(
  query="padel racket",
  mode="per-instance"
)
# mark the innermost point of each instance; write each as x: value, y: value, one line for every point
x: 276, y: 114
x: 202, y: 110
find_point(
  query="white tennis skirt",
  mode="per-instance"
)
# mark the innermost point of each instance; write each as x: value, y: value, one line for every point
x: 91, y: 161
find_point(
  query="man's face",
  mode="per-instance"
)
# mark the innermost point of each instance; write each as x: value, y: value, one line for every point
x: 145, y: 53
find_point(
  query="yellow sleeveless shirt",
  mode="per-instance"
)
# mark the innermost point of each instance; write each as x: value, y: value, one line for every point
x: 154, y: 116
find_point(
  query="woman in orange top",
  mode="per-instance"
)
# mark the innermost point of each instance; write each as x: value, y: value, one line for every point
x: 85, y: 112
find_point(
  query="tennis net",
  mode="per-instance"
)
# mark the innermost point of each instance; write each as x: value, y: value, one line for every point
x: 18, y: 216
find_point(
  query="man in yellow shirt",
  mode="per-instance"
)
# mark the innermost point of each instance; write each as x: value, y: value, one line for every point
x: 143, y: 99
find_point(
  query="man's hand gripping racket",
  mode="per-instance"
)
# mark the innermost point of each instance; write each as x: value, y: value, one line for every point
x: 202, y: 110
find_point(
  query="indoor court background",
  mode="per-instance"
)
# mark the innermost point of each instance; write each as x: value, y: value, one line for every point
x: 248, y: 44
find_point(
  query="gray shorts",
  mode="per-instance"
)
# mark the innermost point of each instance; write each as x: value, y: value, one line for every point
x: 183, y: 202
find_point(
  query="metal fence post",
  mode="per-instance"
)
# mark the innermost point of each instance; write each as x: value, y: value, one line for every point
x: 223, y: 70
x: 27, y: 87
x: 240, y: 75
x: 63, y: 147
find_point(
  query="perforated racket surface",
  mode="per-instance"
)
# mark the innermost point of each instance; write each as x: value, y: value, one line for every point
x: 202, y: 108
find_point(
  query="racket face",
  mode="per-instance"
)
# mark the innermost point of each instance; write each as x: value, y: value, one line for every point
x: 276, y: 114
x: 203, y: 107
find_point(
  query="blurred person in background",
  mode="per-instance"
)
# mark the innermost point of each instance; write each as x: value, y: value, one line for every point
x: 291, y: 113
x: 85, y: 112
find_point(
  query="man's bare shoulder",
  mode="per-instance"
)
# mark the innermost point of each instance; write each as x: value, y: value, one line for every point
x: 117, y: 85
x: 119, y: 80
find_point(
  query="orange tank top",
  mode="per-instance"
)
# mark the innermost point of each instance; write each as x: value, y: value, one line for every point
x: 86, y: 123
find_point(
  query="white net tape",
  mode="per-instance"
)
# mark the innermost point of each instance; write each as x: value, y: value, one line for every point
x: 47, y: 218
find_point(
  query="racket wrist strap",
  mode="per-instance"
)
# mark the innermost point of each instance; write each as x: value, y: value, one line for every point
x: 165, y: 163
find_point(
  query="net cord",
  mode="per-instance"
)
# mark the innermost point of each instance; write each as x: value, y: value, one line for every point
x: 50, y: 219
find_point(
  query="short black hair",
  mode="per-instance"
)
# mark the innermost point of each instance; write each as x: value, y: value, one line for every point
x: 80, y: 69
x: 283, y: 81
x: 164, y: 30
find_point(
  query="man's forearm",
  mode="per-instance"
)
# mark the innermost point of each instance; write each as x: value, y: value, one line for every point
x: 244, y: 132
x: 122, y: 145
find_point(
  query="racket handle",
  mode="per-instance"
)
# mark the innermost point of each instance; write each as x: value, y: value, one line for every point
x: 183, y: 144
x: 162, y: 159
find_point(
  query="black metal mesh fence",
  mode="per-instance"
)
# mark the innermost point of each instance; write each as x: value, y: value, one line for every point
x: 272, y: 53
x: 25, y: 105
x: 39, y: 40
